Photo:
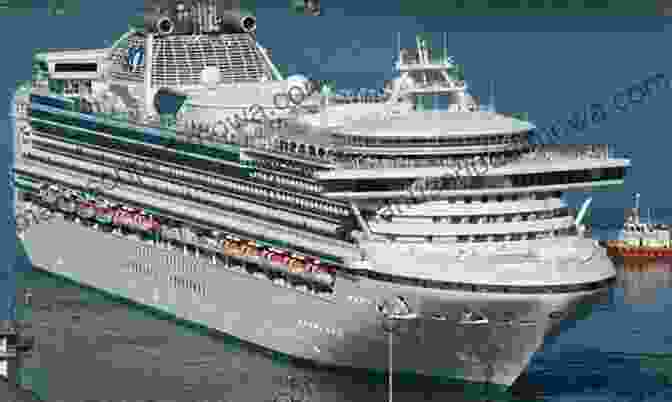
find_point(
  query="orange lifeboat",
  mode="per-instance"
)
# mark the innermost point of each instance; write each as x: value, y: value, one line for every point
x: 232, y: 247
x: 297, y: 264
x: 249, y: 249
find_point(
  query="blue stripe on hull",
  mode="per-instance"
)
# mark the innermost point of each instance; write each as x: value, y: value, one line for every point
x: 88, y: 121
x: 49, y: 101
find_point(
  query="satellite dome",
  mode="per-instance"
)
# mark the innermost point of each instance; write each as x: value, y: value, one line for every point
x: 299, y: 80
x: 299, y: 77
x: 210, y: 76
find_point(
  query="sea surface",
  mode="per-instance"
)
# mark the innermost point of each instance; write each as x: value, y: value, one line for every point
x: 90, y: 347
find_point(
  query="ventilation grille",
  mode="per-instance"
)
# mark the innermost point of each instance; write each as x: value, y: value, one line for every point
x: 119, y: 56
x: 178, y: 60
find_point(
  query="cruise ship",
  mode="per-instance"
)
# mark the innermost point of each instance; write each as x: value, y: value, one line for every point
x: 167, y: 170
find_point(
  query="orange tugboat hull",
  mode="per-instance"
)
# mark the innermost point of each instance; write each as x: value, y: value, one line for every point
x: 619, y: 249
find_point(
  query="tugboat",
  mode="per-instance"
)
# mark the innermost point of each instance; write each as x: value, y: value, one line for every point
x: 638, y: 240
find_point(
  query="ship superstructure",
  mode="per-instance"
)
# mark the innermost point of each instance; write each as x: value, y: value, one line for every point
x: 303, y: 232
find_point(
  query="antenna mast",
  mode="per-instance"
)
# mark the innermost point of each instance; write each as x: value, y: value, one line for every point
x: 492, y: 96
x: 445, y: 48
x: 399, y: 46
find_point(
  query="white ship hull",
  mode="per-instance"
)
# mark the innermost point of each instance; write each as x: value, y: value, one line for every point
x: 343, y: 329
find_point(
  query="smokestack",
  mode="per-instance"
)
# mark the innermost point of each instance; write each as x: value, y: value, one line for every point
x: 237, y: 22
x: 160, y: 23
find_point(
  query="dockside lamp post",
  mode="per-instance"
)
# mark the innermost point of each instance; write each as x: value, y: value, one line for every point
x: 394, y: 312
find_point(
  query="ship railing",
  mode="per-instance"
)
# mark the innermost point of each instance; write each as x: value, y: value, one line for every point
x: 260, y: 139
x: 373, y: 163
x: 440, y: 85
x: 568, y: 152
x: 352, y: 99
x: 509, y: 143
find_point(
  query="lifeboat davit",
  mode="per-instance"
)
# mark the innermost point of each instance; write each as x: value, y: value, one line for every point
x: 322, y: 275
x: 104, y: 213
x: 66, y: 204
x: 170, y: 233
x: 86, y: 209
x: 50, y: 196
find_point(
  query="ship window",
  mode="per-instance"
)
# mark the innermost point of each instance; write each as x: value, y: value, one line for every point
x: 467, y: 200
x: 75, y: 67
x: 484, y: 198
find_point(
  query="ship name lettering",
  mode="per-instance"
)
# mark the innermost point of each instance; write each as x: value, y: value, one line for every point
x: 330, y: 331
x: 359, y: 300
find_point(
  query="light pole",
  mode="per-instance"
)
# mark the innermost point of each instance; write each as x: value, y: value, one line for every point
x: 390, y: 326
x: 394, y: 311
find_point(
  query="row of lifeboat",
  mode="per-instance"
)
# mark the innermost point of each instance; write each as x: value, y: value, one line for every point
x: 98, y: 209
x: 102, y: 211
x: 296, y: 264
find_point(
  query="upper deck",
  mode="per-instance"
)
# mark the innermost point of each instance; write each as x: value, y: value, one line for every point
x: 435, y: 123
x: 549, y: 158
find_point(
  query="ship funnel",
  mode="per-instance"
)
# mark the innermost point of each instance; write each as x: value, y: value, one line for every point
x: 234, y: 21
x: 165, y: 26
x: 249, y: 23
x: 159, y: 23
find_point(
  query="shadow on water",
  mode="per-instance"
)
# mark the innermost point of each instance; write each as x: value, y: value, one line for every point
x: 189, y: 361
